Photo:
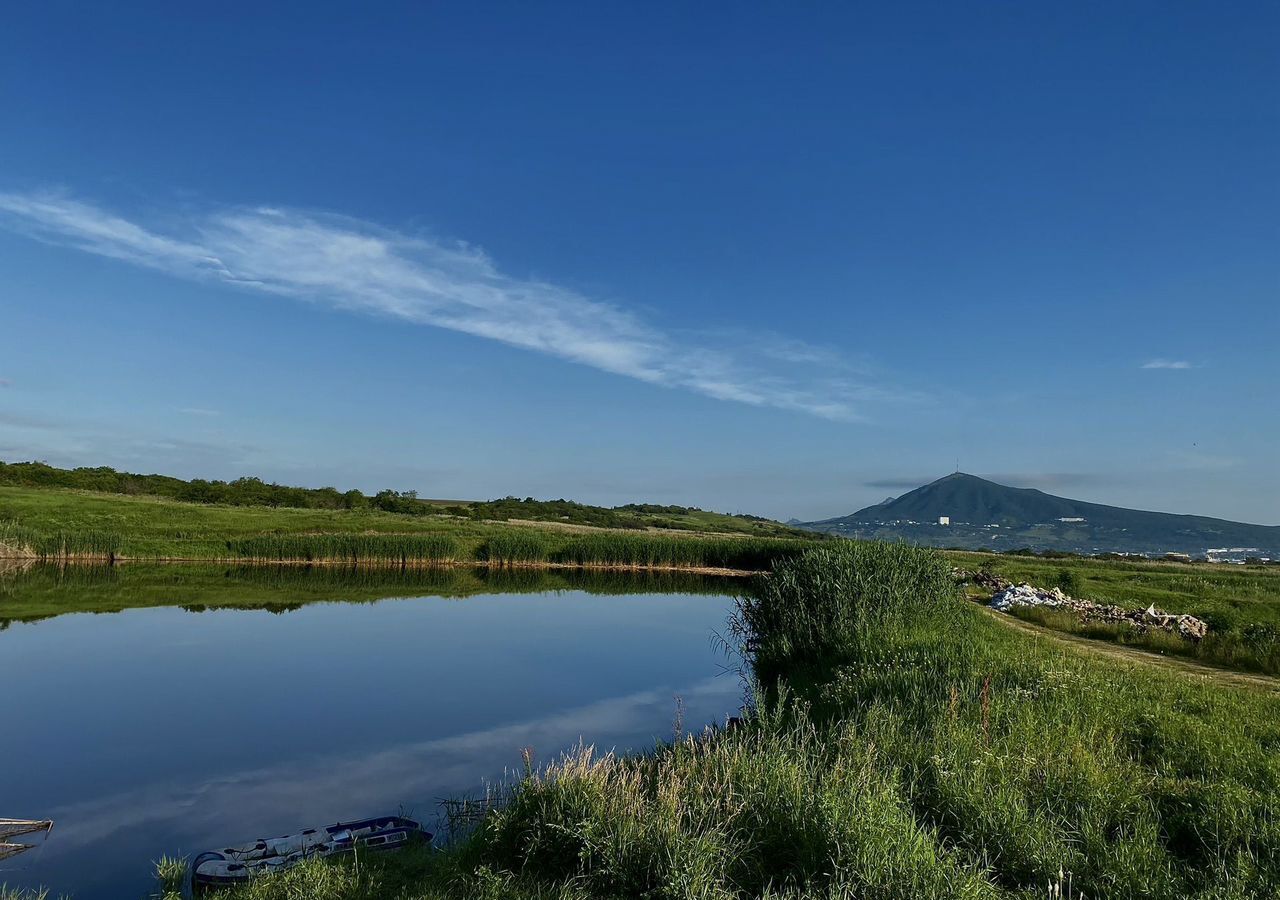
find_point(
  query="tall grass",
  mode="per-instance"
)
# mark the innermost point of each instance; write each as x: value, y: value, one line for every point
x: 404, y: 549
x: 834, y: 598
x: 171, y: 872
x: 778, y: 809
x: 1029, y: 758
x: 613, y: 548
x: 517, y: 545
x: 526, y: 545
x: 57, y: 544
x: 8, y: 893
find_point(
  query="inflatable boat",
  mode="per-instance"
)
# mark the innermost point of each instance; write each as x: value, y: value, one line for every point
x: 233, y: 865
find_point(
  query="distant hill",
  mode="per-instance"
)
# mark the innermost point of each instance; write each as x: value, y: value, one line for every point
x: 983, y: 513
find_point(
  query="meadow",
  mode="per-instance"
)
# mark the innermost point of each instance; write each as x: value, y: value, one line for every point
x: 903, y: 744
x: 254, y: 492
x: 1241, y: 604
x: 58, y: 523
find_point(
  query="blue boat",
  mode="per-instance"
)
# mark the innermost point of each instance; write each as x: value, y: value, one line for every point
x: 237, y: 864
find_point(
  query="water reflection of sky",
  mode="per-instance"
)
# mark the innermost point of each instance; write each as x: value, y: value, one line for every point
x: 156, y: 731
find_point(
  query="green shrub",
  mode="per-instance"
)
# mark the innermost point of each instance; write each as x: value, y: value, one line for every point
x: 828, y: 600
x: 1069, y: 582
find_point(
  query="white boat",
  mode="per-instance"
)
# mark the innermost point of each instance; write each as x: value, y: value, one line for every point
x: 232, y: 865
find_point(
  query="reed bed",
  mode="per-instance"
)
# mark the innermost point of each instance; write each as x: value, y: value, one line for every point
x: 517, y: 546
x: 402, y: 549
x: 750, y: 554
x: 528, y: 546
x: 16, y: 539
x: 495, y: 545
x: 8, y: 893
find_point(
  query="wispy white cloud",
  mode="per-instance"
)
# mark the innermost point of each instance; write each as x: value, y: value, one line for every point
x: 199, y: 411
x: 360, y: 267
x: 1167, y: 364
x: 5, y: 382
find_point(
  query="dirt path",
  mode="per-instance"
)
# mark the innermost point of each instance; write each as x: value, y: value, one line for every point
x: 1121, y: 653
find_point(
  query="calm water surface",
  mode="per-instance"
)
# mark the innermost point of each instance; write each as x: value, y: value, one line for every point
x: 167, y: 730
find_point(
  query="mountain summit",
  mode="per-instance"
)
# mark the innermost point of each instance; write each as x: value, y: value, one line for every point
x: 983, y: 513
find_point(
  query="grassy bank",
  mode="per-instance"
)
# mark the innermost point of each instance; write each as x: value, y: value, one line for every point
x: 1241, y: 604
x: 254, y: 492
x: 907, y: 747
x: 49, y: 523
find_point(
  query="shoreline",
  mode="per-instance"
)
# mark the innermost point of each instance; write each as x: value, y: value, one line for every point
x: 21, y: 560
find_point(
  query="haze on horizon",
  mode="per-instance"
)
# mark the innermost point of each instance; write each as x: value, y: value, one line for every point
x: 755, y: 260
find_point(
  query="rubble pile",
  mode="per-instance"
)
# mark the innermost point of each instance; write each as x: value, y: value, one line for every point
x: 1006, y: 598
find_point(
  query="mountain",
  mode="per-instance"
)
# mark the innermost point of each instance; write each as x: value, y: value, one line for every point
x: 983, y: 513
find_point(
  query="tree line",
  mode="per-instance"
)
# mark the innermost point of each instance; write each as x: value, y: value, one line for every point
x: 248, y: 491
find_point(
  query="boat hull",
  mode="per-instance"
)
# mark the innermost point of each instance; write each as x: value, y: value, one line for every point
x: 240, y: 863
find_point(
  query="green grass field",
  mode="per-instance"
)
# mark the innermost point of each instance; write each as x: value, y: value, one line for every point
x: 908, y: 746
x: 1207, y: 590
x: 155, y: 527
x: 1241, y: 604
x: 254, y: 492
x: 60, y: 522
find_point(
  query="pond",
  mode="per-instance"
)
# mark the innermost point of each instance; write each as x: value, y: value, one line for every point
x: 216, y: 705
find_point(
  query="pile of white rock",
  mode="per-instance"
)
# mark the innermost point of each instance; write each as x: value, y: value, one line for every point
x: 1027, y: 595
x: 1006, y: 599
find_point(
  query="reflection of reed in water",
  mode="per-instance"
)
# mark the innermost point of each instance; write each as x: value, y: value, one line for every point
x: 465, y: 582
x: 446, y: 581
x: 12, y: 828
x: 29, y: 574
x: 43, y: 590
x: 12, y: 565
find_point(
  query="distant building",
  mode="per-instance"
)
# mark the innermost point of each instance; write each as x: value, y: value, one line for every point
x: 944, y: 520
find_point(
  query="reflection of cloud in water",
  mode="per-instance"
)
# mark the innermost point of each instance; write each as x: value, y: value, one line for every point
x: 172, y: 817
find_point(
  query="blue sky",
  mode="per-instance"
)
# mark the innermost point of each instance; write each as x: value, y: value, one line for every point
x: 769, y: 259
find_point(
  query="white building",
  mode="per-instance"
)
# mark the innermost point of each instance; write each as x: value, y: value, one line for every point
x: 944, y: 520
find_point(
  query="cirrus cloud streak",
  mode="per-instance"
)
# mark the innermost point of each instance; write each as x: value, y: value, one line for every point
x: 362, y: 268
